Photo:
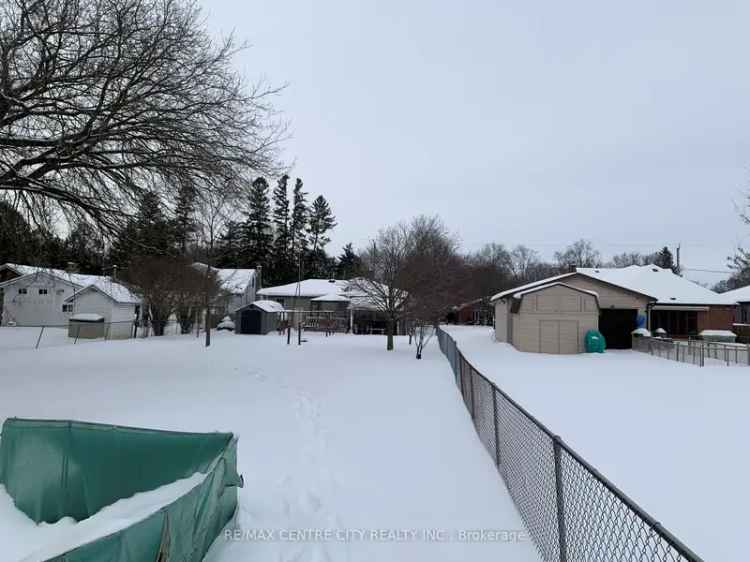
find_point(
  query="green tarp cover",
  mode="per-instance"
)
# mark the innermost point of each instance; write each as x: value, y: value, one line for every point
x: 55, y: 469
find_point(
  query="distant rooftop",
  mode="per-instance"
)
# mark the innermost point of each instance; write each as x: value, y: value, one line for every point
x: 661, y: 285
x: 116, y: 291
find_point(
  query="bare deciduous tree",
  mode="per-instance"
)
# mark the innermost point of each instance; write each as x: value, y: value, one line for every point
x: 580, y: 253
x: 163, y: 283
x: 384, y: 276
x: 413, y: 270
x: 435, y: 276
x: 215, y: 208
x: 102, y: 99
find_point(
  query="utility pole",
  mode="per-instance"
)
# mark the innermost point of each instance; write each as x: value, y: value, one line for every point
x: 678, y: 258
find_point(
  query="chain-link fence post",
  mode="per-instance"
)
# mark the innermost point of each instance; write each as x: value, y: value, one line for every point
x: 471, y: 394
x: 497, y: 427
x: 561, y: 532
x: 39, y: 338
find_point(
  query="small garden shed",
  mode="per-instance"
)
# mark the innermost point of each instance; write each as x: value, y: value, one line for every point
x: 259, y: 317
x: 86, y: 326
x: 551, y: 318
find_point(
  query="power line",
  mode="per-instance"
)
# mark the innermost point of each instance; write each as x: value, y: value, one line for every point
x: 724, y: 272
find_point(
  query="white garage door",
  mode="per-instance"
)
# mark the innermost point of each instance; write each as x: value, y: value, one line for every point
x: 558, y: 336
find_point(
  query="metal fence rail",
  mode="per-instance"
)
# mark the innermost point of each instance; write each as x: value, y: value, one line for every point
x: 695, y: 352
x: 571, y: 511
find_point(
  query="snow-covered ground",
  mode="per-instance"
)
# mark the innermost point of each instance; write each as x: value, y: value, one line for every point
x: 22, y: 539
x: 14, y: 338
x: 17, y: 338
x: 337, y: 437
x: 672, y: 436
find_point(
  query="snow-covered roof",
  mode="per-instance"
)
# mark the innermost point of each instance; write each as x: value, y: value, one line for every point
x: 116, y: 291
x: 656, y: 282
x: 307, y: 288
x: 660, y: 284
x: 331, y: 297
x: 737, y: 295
x: 720, y: 333
x: 87, y: 317
x: 548, y: 280
x: 234, y: 281
x: 520, y: 294
x: 269, y: 306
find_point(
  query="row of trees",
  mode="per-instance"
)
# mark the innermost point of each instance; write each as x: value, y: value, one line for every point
x: 281, y: 234
x: 415, y: 273
x: 494, y: 268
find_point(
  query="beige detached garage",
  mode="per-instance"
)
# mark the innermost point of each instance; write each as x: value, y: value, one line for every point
x: 552, y: 318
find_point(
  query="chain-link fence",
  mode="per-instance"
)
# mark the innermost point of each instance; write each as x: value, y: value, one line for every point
x: 695, y: 352
x: 40, y: 337
x: 571, y: 511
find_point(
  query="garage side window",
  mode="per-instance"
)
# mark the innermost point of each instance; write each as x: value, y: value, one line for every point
x: 22, y: 291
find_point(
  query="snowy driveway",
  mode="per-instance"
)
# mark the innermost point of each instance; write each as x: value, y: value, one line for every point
x: 337, y: 437
x: 672, y: 436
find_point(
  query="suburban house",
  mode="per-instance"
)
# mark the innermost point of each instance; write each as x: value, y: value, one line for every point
x: 313, y: 300
x: 37, y: 296
x: 741, y: 299
x: 239, y: 287
x: 553, y: 315
x: 478, y: 312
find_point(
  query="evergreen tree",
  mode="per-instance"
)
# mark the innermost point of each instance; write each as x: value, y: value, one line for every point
x: 148, y: 233
x: 184, y: 221
x: 350, y: 264
x: 280, y: 270
x: 319, y: 264
x: 230, y: 246
x: 85, y: 248
x: 298, y: 227
x: 17, y: 241
x: 257, y: 227
x: 321, y: 222
x: 664, y: 259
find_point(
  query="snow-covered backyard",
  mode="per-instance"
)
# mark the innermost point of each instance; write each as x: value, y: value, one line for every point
x: 672, y: 436
x: 13, y: 338
x: 337, y: 436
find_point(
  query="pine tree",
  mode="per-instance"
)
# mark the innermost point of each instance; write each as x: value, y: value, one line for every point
x: 350, y: 264
x: 149, y: 233
x: 230, y: 246
x: 665, y: 260
x: 280, y: 270
x: 85, y: 248
x: 321, y: 222
x: 155, y: 232
x: 17, y: 241
x: 257, y: 227
x: 184, y: 221
x: 298, y: 227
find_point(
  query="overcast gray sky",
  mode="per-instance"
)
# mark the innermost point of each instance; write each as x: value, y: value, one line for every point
x: 518, y: 122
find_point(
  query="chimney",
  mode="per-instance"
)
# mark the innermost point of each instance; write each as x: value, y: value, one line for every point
x: 571, y: 268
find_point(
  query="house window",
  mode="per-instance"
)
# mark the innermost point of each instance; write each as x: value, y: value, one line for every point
x: 675, y: 322
x: 67, y: 308
x: 42, y: 291
x: 22, y: 291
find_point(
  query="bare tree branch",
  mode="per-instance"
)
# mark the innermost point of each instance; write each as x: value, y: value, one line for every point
x: 102, y: 99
